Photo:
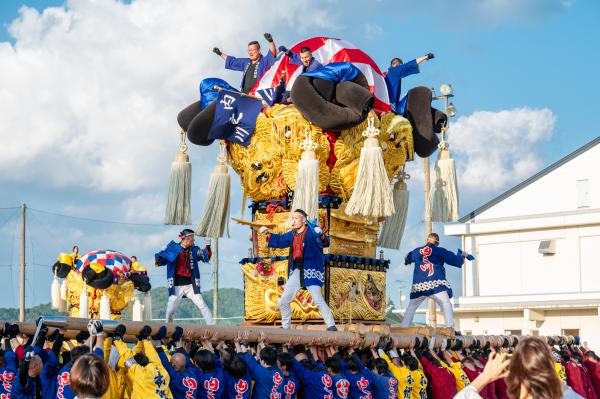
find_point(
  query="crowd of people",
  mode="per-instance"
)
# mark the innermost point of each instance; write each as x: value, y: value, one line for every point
x: 98, y: 364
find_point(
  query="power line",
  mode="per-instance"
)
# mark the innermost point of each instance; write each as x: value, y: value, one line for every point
x: 97, y: 220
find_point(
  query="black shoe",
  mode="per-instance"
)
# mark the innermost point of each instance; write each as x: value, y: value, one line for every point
x: 332, y: 328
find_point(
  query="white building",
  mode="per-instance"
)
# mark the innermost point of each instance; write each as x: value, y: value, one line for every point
x: 537, y: 250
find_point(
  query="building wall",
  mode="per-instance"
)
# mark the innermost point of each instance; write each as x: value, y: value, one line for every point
x: 561, y: 190
x: 556, y: 321
x: 510, y: 264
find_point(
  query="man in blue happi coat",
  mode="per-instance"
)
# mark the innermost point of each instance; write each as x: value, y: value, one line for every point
x: 393, y: 79
x: 183, y: 274
x: 305, y: 266
x: 254, y: 66
x: 429, y: 277
x: 305, y: 58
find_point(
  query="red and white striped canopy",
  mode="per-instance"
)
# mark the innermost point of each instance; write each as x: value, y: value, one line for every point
x: 327, y: 50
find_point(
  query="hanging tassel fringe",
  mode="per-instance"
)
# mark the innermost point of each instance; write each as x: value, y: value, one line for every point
x: 147, y: 306
x: 445, y: 197
x: 104, y: 307
x: 393, y: 227
x: 180, y: 188
x: 62, y: 306
x: 83, y: 302
x: 215, y: 216
x: 137, y: 313
x: 372, y: 194
x: 55, y: 293
x: 306, y: 194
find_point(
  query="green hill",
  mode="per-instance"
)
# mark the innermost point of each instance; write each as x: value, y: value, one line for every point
x: 231, y: 307
x: 231, y: 304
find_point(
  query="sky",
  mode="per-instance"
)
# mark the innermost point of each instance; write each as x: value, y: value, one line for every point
x: 90, y: 91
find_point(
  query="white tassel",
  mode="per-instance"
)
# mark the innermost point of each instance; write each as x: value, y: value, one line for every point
x: 147, y: 306
x: 372, y: 194
x: 104, y: 307
x: 62, y: 305
x: 180, y: 188
x: 445, y: 196
x: 137, y: 310
x: 306, y: 194
x: 215, y: 215
x: 83, y: 302
x: 55, y: 293
x: 393, y: 226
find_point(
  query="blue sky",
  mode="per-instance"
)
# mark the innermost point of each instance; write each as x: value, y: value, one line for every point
x: 93, y: 88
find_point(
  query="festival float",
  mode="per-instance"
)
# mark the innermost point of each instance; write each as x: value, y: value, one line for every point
x: 100, y: 284
x: 329, y: 144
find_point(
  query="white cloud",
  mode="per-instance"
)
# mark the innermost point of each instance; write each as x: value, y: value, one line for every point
x: 373, y: 30
x: 495, y: 149
x: 90, y: 91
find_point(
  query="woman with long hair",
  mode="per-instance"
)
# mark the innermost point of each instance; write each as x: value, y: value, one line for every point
x: 530, y: 375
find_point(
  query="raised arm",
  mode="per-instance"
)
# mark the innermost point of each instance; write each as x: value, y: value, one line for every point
x: 426, y: 57
x: 272, y: 47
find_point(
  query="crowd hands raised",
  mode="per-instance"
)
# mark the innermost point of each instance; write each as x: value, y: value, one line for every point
x: 98, y: 364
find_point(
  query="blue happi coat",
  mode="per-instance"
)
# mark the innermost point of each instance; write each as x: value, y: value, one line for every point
x: 429, y: 276
x: 296, y: 60
x: 393, y: 81
x: 8, y: 374
x: 168, y: 256
x: 241, y: 64
x: 314, y: 272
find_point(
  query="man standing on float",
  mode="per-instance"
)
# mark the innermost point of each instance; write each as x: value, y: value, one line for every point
x: 183, y: 275
x: 305, y: 266
x: 429, y: 278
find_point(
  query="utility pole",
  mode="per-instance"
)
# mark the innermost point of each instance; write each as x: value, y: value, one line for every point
x: 216, y: 281
x: 431, y: 312
x: 22, y: 274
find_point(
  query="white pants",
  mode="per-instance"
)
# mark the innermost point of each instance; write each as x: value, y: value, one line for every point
x: 289, y: 293
x: 187, y: 291
x: 441, y: 298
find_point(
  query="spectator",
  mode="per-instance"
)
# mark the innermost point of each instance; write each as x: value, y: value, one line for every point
x: 495, y: 368
x: 89, y: 377
x: 532, y: 373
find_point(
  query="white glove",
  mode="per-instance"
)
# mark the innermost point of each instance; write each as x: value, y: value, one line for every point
x: 263, y: 230
x: 29, y: 355
x: 318, y: 230
x: 91, y: 327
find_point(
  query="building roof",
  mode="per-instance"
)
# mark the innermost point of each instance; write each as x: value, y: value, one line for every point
x: 530, y: 180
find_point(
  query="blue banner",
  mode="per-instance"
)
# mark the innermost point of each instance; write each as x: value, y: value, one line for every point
x: 208, y: 93
x: 336, y: 72
x: 235, y: 117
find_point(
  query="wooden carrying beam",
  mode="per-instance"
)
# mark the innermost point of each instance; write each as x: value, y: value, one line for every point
x: 358, y: 338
